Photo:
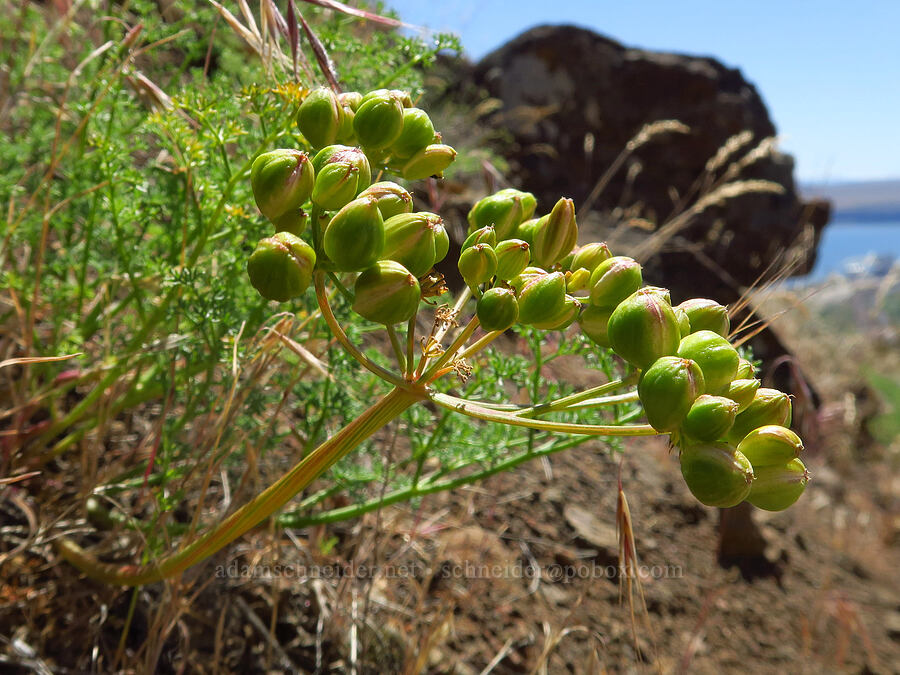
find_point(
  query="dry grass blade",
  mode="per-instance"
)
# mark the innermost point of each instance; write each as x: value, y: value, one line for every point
x: 504, y: 650
x: 280, y: 22
x: 652, y: 130
x: 301, y: 351
x: 552, y: 640
x: 248, y: 17
x: 293, y: 35
x: 646, y: 134
x: 696, y: 639
x: 9, y: 480
x: 736, y: 189
x: 36, y: 359
x: 652, y: 245
x: 362, y: 14
x: 629, y: 569
x: 266, y: 634
x: 253, y: 40
x: 325, y: 63
x: 437, y: 631
x: 33, y: 528
x: 149, y: 91
x: 891, y: 279
x: 766, y: 148
x: 728, y: 150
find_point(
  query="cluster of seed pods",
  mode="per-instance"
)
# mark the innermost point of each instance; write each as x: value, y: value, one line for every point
x: 732, y: 434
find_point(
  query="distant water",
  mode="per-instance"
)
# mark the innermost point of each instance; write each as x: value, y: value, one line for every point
x: 846, y: 240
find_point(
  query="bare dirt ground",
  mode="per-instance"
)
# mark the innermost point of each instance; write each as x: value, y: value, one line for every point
x: 518, y: 574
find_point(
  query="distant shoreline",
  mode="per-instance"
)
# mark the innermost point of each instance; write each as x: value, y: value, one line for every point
x: 872, y: 202
x: 865, y: 217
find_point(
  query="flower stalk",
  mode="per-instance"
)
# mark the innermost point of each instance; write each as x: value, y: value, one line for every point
x: 258, y: 509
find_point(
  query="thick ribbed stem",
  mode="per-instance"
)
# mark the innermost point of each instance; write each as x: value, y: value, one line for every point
x: 254, y: 512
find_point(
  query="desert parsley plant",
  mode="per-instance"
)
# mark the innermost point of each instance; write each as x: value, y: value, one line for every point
x: 345, y: 233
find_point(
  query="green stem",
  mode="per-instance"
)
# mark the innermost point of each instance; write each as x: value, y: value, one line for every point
x: 314, y: 216
x: 481, y: 343
x: 398, y: 350
x: 422, y: 489
x: 348, y: 296
x: 571, y: 400
x: 470, y: 409
x: 534, y: 411
x: 410, y: 346
x: 603, y: 401
x: 341, y: 336
x: 254, y: 512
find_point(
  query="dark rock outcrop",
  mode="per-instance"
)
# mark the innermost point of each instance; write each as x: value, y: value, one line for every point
x: 570, y: 101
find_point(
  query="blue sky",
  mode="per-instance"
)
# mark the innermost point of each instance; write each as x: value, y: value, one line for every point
x: 828, y: 71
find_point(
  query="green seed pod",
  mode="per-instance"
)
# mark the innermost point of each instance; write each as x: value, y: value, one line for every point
x: 643, y: 328
x: 282, y: 181
x: 386, y: 293
x: 615, y: 279
x: 579, y: 280
x: 525, y: 231
x: 415, y: 240
x: 667, y: 390
x: 512, y: 258
x: 707, y: 314
x: 281, y: 267
x: 717, y: 358
x: 349, y: 102
x: 710, y: 418
x: 775, y: 488
x: 745, y: 370
x: 378, y: 121
x: 769, y: 406
x: 529, y: 273
x: 354, y: 238
x: 346, y: 135
x: 336, y: 186
x: 771, y: 445
x: 294, y: 222
x: 555, y: 234
x: 344, y: 154
x: 684, y: 323
x: 497, y: 309
x: 594, y: 321
x: 477, y: 264
x: 565, y: 263
x: 660, y: 292
x: 505, y: 210
x: 375, y: 93
x: 527, y: 200
x: 484, y: 235
x: 320, y: 116
x: 350, y: 99
x: 742, y: 392
x: 542, y: 298
x: 417, y: 132
x: 429, y: 161
x: 392, y: 199
x: 402, y: 96
x: 590, y: 255
x: 564, y: 318
x: 716, y: 474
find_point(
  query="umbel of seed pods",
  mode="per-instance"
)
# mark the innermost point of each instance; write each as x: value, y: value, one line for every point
x: 732, y: 434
